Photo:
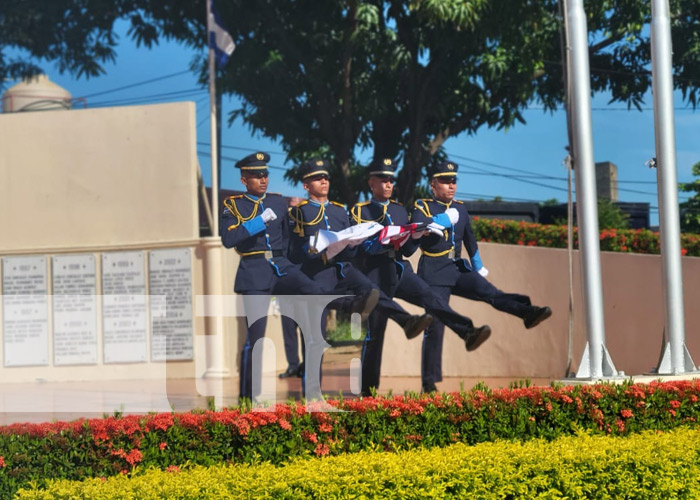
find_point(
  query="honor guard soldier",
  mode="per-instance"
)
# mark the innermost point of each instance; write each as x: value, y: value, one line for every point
x: 385, y: 266
x: 444, y: 269
x: 317, y: 212
x: 256, y: 224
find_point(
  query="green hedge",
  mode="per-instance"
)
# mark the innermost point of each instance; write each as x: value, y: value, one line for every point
x: 648, y: 466
x: 544, y: 235
x: 111, y: 446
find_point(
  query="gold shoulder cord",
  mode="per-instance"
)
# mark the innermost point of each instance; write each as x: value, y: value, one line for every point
x: 423, y: 207
x: 299, y: 219
x: 358, y: 217
x: 231, y: 205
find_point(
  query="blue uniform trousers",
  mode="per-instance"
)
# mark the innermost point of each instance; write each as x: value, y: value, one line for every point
x: 470, y: 285
x: 294, y: 282
x: 291, y: 342
x: 411, y: 288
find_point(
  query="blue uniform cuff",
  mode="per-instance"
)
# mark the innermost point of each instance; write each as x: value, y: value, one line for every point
x: 255, y: 225
x: 476, y: 261
x: 442, y: 219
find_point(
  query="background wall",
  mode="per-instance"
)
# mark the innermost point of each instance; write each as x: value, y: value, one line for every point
x: 633, y: 309
x: 95, y: 177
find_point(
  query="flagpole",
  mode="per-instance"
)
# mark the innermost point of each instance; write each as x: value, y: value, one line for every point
x: 212, y: 130
x: 217, y: 362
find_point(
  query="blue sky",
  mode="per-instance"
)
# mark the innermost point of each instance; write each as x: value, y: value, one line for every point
x: 487, y: 159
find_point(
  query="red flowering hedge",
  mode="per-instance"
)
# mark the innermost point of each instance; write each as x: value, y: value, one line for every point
x: 114, y: 445
x: 544, y: 235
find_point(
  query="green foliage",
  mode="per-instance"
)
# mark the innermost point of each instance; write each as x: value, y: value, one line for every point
x: 35, y: 453
x: 343, y: 332
x: 690, y: 220
x: 79, y: 36
x: 555, y: 236
x: 394, y: 78
x: 610, y: 216
x: 648, y: 465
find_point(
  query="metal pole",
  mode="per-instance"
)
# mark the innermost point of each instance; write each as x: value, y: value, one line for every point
x: 669, y: 220
x: 212, y: 129
x: 599, y: 364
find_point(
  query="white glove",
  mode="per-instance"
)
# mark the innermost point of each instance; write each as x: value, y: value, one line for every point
x: 268, y: 215
x: 435, y: 228
x: 453, y: 214
x: 483, y: 271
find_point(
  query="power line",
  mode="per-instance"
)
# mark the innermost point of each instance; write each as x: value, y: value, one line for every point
x: 238, y: 148
x: 228, y: 158
x: 144, y: 82
x: 153, y: 97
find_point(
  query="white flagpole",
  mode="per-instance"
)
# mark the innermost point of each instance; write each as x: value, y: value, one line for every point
x: 212, y: 129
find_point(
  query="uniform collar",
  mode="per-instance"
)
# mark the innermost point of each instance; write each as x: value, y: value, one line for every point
x: 318, y: 203
x: 447, y: 204
x: 252, y: 197
x: 382, y: 203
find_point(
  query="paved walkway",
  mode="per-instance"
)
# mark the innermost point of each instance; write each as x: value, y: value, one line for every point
x: 49, y: 401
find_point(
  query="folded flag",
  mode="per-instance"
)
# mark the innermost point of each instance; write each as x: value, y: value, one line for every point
x: 334, y: 242
x: 398, y: 235
x: 219, y: 39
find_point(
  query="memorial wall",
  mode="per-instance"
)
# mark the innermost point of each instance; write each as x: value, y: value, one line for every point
x: 100, y: 251
x: 139, y: 323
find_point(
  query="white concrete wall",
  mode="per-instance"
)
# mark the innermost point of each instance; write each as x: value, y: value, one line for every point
x: 97, y: 177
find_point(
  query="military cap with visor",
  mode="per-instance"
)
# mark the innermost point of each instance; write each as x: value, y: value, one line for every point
x: 254, y: 164
x: 383, y: 168
x: 313, y: 168
x: 444, y: 169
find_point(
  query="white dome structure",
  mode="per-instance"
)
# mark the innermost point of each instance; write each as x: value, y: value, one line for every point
x: 36, y: 94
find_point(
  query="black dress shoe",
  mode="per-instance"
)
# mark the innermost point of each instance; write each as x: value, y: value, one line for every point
x: 290, y: 372
x: 536, y: 315
x: 477, y: 337
x: 416, y: 324
x: 428, y: 388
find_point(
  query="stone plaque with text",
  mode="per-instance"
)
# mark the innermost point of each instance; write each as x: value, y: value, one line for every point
x: 170, y: 275
x: 74, y: 310
x: 124, y: 318
x: 25, y: 325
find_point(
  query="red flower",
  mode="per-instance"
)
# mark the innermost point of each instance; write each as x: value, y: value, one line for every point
x: 684, y: 251
x: 309, y: 436
x: 322, y: 450
x: 134, y: 457
x: 620, y: 425
x: 626, y: 413
x: 675, y: 403
x: 173, y: 468
x: 325, y: 427
x: 2, y: 462
x: 162, y: 445
x: 284, y: 424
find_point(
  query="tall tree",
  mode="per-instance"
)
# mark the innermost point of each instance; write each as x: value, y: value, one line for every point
x: 400, y: 78
x: 78, y: 35
x: 690, y: 219
x: 394, y: 77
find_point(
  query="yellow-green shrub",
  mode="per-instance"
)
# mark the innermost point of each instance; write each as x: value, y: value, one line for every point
x: 647, y: 465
